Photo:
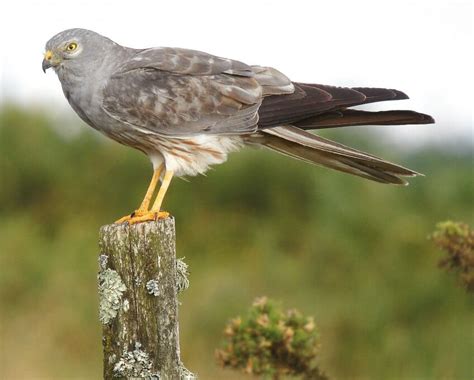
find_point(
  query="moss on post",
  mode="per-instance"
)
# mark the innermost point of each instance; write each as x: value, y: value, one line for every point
x: 138, y: 287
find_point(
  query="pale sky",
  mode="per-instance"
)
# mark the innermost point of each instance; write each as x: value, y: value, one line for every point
x: 423, y: 48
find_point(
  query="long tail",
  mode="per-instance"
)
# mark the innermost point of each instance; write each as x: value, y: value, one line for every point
x: 284, y: 119
x: 303, y: 145
x: 351, y: 117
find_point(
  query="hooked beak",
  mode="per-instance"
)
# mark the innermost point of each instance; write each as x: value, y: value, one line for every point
x: 47, y: 61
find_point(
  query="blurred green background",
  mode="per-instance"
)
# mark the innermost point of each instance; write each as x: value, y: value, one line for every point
x: 352, y: 253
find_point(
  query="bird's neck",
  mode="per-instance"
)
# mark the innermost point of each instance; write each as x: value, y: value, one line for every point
x: 83, y: 89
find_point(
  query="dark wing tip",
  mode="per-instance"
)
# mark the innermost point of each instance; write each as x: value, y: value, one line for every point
x: 427, y: 119
x: 376, y: 94
x: 422, y: 118
x: 399, y: 95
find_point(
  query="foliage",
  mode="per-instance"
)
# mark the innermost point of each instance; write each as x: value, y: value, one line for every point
x: 457, y: 241
x: 271, y: 342
x: 351, y: 251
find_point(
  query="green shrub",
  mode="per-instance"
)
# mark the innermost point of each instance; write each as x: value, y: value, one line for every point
x: 457, y: 241
x: 271, y: 343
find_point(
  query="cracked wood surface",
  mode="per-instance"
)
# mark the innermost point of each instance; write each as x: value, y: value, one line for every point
x: 140, y: 254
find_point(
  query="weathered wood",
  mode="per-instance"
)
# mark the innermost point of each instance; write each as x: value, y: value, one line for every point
x: 138, y: 286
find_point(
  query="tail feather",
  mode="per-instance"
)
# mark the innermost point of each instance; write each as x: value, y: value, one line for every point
x: 297, y: 143
x: 316, y: 102
x: 284, y: 119
x: 373, y: 94
x: 350, y: 117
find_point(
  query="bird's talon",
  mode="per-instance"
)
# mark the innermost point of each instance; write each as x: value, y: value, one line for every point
x: 139, y: 216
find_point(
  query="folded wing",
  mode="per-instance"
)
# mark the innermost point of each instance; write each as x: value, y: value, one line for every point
x: 179, y: 92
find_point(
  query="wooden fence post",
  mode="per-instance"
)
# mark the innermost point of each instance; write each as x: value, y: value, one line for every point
x: 139, y: 280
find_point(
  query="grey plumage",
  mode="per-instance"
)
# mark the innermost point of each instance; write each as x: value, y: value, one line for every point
x: 188, y: 109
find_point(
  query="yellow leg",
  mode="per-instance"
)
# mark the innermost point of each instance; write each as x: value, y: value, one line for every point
x: 154, y: 213
x: 151, y: 189
x: 146, y: 200
x: 163, y: 189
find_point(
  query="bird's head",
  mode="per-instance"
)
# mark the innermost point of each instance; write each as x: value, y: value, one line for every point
x: 76, y: 50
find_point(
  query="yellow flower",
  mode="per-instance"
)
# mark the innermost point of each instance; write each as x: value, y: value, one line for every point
x: 309, y: 326
x: 260, y: 302
x: 263, y: 320
x: 236, y: 322
x: 229, y: 331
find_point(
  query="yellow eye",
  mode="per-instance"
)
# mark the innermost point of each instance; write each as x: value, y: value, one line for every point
x: 71, y: 47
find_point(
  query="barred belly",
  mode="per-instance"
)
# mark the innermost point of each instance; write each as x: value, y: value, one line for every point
x: 194, y: 155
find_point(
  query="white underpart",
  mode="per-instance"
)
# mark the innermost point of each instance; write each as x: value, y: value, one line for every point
x: 156, y: 159
x: 196, y: 158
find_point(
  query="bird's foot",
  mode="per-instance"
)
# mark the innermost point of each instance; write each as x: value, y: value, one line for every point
x: 140, y: 216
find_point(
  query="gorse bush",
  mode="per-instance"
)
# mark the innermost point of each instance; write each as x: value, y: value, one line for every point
x: 457, y: 241
x: 272, y: 343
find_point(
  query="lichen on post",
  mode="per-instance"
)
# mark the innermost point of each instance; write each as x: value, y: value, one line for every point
x: 139, y: 280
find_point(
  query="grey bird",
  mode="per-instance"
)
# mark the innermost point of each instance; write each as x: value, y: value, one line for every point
x: 187, y: 110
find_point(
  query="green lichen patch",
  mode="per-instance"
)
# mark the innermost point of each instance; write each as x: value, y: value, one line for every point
x: 126, y: 305
x: 111, y: 288
x: 153, y: 288
x: 103, y: 260
x: 182, y: 273
x: 185, y: 374
x: 135, y: 364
